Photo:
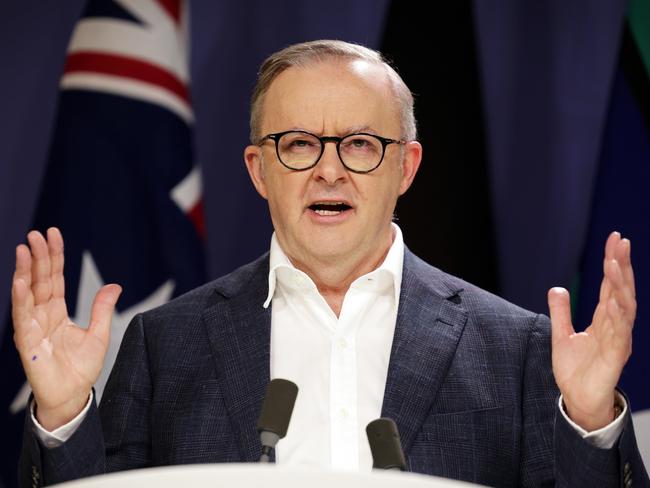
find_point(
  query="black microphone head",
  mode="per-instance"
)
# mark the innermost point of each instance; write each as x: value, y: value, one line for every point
x: 277, y: 407
x: 385, y: 445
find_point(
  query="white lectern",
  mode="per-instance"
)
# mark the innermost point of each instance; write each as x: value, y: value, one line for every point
x: 258, y: 475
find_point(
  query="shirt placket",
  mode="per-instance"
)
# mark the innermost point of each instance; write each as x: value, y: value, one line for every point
x: 343, y: 388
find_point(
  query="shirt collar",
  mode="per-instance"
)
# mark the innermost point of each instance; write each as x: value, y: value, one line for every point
x: 392, y: 265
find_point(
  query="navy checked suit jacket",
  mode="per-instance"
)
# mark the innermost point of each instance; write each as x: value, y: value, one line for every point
x: 469, y: 385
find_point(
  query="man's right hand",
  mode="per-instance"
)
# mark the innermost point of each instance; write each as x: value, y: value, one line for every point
x: 62, y: 361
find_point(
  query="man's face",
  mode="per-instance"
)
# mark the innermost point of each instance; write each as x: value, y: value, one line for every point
x: 333, y: 98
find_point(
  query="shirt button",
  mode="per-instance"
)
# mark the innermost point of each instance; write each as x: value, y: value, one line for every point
x: 344, y: 413
x: 343, y: 343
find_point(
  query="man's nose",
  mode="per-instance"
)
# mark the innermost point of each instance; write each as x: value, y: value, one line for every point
x: 330, y: 168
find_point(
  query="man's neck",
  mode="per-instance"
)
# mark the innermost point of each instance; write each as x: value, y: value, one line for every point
x: 334, y: 277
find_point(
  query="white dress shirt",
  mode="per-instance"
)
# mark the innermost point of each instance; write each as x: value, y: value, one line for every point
x: 339, y: 364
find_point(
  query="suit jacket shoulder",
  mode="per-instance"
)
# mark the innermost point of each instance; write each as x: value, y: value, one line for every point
x: 478, y: 302
x: 191, y: 304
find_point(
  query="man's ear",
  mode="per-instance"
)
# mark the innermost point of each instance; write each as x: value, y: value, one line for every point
x: 254, y: 165
x: 410, y: 164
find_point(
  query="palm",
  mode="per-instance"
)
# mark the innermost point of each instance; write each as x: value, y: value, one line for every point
x: 61, y: 360
x: 581, y: 359
x: 61, y: 354
x: 587, y: 365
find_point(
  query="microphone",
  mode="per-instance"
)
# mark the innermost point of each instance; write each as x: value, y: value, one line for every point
x: 385, y: 445
x: 276, y: 414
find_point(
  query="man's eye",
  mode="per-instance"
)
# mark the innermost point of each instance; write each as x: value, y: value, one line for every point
x: 301, y: 143
x: 359, y: 143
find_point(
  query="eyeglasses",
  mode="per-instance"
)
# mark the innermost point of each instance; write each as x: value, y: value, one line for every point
x: 299, y: 150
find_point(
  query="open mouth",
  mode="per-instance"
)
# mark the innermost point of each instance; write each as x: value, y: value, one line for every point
x: 329, y: 208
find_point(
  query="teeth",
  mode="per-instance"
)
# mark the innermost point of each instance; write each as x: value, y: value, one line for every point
x: 329, y: 208
x: 327, y: 212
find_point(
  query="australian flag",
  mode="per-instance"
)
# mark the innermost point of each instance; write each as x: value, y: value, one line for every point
x: 121, y: 182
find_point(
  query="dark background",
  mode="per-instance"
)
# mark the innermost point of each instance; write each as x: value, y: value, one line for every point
x: 531, y: 115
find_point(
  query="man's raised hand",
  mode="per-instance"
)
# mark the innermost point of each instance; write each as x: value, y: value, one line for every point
x: 61, y: 360
x: 588, y: 365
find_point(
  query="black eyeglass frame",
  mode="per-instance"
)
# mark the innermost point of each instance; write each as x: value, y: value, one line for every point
x: 275, y: 137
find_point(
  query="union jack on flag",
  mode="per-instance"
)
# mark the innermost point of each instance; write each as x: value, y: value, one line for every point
x: 121, y: 182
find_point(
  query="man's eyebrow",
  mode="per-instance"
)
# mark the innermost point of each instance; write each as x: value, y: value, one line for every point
x: 359, y: 128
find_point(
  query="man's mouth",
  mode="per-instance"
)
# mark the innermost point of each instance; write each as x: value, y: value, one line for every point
x: 329, y: 208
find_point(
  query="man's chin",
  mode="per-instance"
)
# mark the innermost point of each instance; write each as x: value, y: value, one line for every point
x: 325, y: 249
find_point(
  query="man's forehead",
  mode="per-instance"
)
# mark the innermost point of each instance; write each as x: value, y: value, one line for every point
x: 370, y: 73
x: 366, y: 68
x: 354, y: 95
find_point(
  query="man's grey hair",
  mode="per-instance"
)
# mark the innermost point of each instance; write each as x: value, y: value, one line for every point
x: 306, y: 53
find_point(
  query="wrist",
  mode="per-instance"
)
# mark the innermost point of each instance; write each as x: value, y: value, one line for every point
x: 53, y: 418
x: 592, y: 420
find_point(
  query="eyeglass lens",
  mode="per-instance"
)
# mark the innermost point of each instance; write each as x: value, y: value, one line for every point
x: 358, y: 152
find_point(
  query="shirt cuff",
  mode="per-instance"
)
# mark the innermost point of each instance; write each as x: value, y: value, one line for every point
x: 605, y: 437
x: 60, y: 435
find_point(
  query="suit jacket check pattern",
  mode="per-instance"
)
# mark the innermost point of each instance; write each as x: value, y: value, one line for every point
x: 469, y: 386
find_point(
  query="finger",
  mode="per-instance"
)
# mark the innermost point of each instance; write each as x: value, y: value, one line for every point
x: 41, y: 282
x: 21, y: 310
x: 605, y: 290
x: 610, y: 248
x: 102, y: 311
x: 615, y: 314
x: 611, y: 243
x: 599, y: 317
x: 622, y: 332
x: 55, y: 248
x: 621, y: 290
x: 560, y: 311
x: 24, y: 274
x: 26, y: 330
x: 23, y: 264
x: 614, y: 276
x: 623, y: 254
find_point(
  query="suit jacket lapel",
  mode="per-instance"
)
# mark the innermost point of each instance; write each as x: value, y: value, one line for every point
x: 429, y: 324
x: 239, y: 331
x: 430, y: 321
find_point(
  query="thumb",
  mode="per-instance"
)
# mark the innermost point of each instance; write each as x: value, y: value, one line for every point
x: 560, y: 310
x: 102, y: 311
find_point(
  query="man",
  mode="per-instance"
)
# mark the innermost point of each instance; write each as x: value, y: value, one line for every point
x: 340, y: 307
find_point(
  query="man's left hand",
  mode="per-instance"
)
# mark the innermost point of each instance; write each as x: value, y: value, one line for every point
x: 587, y: 365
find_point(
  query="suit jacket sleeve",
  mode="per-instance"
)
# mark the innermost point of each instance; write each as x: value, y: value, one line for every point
x: 93, y: 448
x: 82, y: 455
x: 576, y: 461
